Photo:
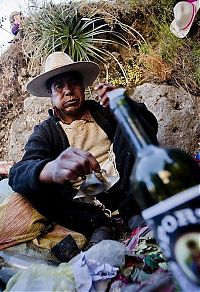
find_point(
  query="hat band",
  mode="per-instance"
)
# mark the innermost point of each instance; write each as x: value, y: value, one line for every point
x: 194, y: 9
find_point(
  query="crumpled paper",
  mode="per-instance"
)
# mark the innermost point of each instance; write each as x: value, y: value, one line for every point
x: 93, y: 275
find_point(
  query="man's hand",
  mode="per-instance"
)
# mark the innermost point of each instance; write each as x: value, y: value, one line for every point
x: 102, y: 90
x: 70, y: 164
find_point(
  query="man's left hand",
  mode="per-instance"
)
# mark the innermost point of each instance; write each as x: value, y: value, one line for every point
x: 102, y: 90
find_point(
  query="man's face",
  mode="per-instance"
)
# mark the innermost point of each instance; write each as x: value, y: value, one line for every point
x: 17, y: 19
x: 67, y: 92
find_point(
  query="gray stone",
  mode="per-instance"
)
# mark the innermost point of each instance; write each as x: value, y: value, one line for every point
x: 37, y: 105
x: 177, y: 113
x: 35, y: 111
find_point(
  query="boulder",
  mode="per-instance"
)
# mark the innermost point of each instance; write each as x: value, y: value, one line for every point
x: 177, y: 113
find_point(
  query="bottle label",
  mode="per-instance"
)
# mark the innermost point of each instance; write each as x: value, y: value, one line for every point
x: 176, y: 225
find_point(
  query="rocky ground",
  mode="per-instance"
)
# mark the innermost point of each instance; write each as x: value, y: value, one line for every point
x: 12, y: 94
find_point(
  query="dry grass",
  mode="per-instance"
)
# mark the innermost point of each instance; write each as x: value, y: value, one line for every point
x: 155, y: 67
x: 166, y: 58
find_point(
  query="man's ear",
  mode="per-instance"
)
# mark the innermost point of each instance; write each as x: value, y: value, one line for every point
x: 52, y: 101
x: 49, y: 92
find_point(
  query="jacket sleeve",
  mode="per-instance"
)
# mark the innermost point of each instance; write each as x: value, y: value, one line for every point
x: 24, y: 175
x: 125, y: 157
x: 52, y: 200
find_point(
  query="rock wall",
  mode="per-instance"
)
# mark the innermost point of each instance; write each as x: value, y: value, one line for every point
x: 177, y: 112
x: 15, y: 71
x: 35, y: 111
x: 175, y: 109
x: 13, y: 76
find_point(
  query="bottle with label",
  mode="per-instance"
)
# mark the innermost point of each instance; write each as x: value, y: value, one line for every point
x: 165, y: 182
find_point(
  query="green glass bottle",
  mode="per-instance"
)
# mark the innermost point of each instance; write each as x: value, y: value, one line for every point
x: 165, y: 182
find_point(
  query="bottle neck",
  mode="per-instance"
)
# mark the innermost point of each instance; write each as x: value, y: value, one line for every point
x: 128, y: 121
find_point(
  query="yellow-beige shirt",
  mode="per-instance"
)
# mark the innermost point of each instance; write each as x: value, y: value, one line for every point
x: 87, y: 135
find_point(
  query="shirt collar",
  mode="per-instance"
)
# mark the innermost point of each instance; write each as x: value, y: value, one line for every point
x: 86, y: 116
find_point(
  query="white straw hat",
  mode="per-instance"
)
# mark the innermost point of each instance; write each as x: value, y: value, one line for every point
x: 184, y: 14
x: 57, y: 63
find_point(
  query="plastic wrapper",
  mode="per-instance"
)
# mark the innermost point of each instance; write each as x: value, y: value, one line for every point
x: 107, y: 251
x: 11, y: 263
x: 43, y: 278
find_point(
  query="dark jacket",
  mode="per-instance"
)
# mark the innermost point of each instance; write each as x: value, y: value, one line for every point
x: 55, y: 201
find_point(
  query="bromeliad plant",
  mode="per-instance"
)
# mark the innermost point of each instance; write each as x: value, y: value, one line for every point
x: 62, y: 28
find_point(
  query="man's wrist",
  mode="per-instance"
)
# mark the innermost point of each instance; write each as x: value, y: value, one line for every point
x: 46, y: 174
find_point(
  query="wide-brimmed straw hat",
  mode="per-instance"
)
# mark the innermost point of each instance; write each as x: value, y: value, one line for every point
x: 57, y: 63
x: 184, y: 14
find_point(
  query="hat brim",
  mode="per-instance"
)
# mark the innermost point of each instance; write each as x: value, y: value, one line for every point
x: 88, y: 70
x: 181, y: 33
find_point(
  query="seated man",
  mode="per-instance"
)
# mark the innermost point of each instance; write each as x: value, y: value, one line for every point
x: 79, y: 137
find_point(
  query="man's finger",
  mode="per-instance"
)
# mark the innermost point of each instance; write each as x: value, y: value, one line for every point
x: 79, y: 165
x: 64, y: 175
x: 94, y: 164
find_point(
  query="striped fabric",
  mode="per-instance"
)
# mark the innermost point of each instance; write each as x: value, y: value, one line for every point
x: 20, y: 222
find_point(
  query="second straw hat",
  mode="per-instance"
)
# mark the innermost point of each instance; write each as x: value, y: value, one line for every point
x: 184, y: 14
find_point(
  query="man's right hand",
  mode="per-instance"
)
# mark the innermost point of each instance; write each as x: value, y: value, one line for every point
x: 68, y: 166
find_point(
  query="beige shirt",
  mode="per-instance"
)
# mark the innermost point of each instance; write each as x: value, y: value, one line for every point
x: 87, y: 135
